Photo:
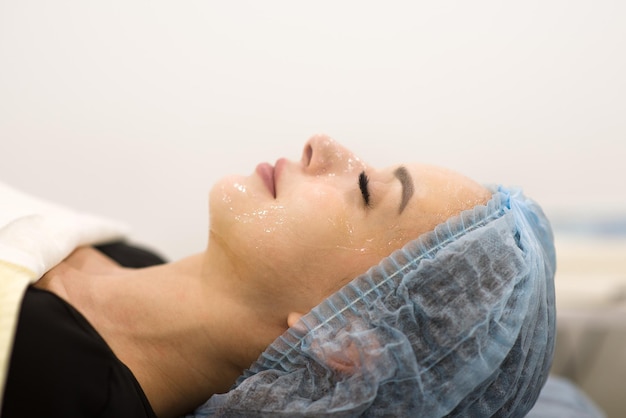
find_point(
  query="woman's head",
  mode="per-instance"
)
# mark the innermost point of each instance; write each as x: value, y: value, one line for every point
x: 304, y: 228
x: 458, y: 322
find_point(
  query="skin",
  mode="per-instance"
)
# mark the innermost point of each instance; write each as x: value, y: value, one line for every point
x: 188, y: 329
x: 319, y: 218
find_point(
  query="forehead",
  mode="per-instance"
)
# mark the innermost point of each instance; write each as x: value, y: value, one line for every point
x: 431, y: 181
x: 438, y: 194
x: 441, y: 181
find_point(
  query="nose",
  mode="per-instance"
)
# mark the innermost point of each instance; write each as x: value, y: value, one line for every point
x: 324, y: 155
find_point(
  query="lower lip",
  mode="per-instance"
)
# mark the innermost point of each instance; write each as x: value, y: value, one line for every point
x: 266, y: 172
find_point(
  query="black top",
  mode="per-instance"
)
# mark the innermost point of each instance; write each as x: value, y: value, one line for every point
x: 61, y: 367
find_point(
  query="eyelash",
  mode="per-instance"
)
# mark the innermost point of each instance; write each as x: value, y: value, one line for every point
x: 363, y: 182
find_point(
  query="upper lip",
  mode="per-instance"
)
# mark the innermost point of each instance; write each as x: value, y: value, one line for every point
x: 278, y: 169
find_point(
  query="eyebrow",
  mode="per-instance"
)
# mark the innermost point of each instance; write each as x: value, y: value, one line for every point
x: 404, y: 176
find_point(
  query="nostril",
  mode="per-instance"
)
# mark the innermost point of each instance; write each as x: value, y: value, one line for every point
x: 307, y: 155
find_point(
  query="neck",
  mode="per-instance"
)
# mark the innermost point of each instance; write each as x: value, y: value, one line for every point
x: 183, y: 337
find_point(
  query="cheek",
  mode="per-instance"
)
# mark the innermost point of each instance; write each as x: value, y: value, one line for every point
x: 317, y: 223
x: 315, y: 244
x: 294, y: 230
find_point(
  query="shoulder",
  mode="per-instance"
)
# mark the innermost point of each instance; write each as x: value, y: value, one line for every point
x: 60, y: 366
x: 131, y: 255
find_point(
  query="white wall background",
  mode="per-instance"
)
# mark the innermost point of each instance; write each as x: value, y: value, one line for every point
x: 132, y: 109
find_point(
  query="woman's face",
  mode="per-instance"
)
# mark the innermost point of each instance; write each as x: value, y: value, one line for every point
x: 298, y: 231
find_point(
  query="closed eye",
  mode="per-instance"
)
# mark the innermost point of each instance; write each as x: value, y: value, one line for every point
x: 363, y: 182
